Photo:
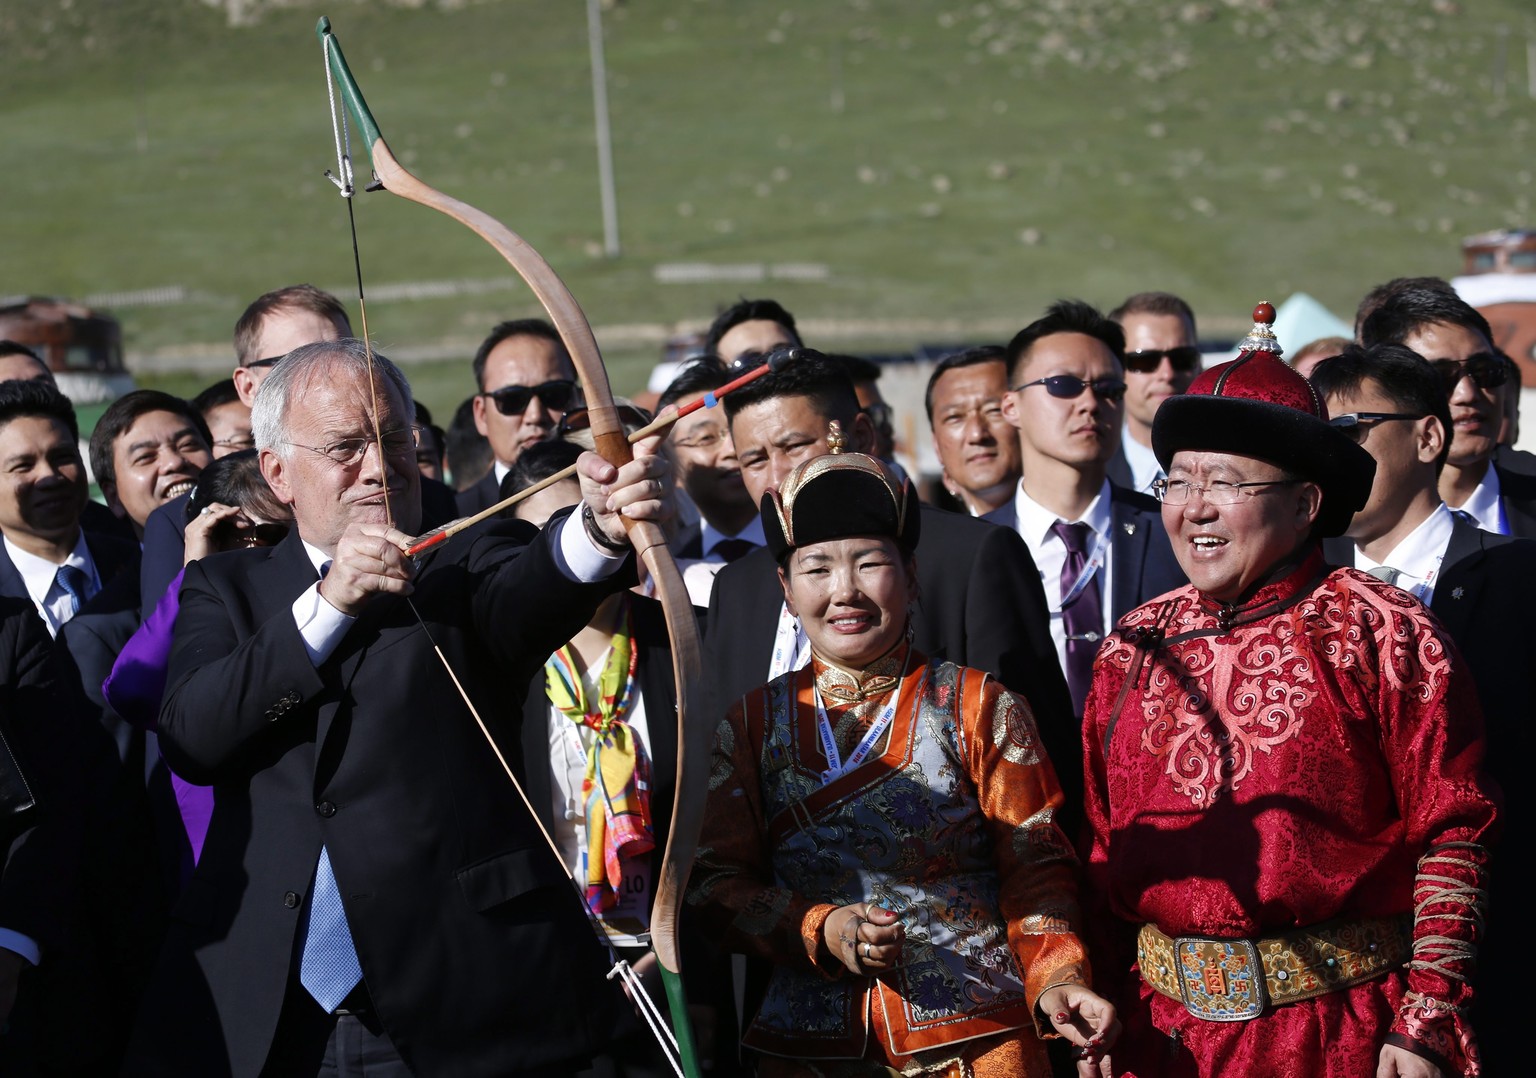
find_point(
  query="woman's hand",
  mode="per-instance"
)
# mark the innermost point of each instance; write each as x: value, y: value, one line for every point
x: 1086, y: 1019
x: 1398, y: 1063
x: 867, y: 939
x: 201, y: 530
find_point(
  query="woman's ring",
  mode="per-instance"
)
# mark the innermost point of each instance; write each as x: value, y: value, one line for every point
x: 866, y: 949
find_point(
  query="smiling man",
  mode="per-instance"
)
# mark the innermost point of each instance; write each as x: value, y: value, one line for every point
x: 1283, y: 760
x: 148, y: 449
x: 46, y: 556
x: 1456, y: 339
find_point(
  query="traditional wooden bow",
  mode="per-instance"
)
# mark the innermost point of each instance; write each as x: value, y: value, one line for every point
x: 693, y: 742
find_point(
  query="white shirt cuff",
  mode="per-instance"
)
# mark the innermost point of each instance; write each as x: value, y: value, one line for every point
x: 581, y: 559
x: 25, y: 946
x: 320, y: 624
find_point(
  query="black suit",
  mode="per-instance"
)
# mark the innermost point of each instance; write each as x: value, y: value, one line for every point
x: 475, y: 950
x: 980, y: 604
x: 112, y: 556
x: 1485, y: 596
x: 688, y: 542
x: 1141, y: 557
x: 1517, y: 490
x: 481, y: 496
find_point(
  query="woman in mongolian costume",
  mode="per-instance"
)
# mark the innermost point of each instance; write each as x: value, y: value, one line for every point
x: 880, y: 826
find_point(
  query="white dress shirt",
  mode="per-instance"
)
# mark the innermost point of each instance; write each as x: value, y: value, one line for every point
x: 1050, y: 554
x: 1484, y: 506
x: 699, y: 573
x: 40, y: 576
x: 1418, y: 555
x: 1145, y: 470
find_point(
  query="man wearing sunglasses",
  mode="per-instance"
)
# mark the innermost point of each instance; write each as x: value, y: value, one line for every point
x: 1100, y: 548
x: 526, y: 382
x: 1457, y: 342
x: 751, y: 328
x: 1481, y: 587
x: 1161, y: 359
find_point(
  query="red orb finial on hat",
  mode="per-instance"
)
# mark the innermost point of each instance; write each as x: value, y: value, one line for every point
x: 1265, y: 312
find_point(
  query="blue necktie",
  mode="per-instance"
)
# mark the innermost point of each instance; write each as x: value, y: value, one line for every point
x: 329, y: 968
x: 76, y: 583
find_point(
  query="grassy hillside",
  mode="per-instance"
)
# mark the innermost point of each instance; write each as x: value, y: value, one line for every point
x: 943, y: 161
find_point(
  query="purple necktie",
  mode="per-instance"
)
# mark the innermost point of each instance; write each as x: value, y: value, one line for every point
x: 1083, y: 618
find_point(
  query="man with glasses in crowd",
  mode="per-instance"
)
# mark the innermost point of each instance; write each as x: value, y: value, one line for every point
x: 526, y: 382
x: 1456, y: 339
x: 1289, y: 820
x: 1481, y: 587
x: 1098, y: 546
x: 1161, y: 358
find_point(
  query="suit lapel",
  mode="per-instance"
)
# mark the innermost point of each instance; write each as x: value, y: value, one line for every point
x: 1128, y: 553
x: 1459, y: 588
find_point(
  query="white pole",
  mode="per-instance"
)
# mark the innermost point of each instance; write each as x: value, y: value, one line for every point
x: 604, y: 136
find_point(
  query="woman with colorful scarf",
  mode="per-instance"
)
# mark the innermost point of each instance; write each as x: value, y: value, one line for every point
x: 881, y: 826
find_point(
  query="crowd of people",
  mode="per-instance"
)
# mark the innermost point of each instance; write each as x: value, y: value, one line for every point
x: 1170, y: 732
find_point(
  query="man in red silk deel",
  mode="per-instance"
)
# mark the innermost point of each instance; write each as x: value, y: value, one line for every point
x: 1288, y: 813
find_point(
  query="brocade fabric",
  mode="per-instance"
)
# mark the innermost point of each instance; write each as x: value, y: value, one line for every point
x: 1274, y: 766
x: 951, y: 825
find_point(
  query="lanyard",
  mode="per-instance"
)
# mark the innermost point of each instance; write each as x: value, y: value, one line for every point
x: 836, y: 768
x: 1090, y: 569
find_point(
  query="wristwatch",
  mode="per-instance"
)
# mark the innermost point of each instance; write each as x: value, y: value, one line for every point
x: 597, y: 535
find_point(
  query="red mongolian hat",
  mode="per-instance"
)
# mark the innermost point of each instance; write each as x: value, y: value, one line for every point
x: 1258, y: 406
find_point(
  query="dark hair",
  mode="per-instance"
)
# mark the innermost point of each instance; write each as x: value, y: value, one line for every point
x: 518, y: 327
x: 748, y: 310
x: 699, y: 376
x: 1383, y: 292
x: 1405, y: 378
x: 823, y: 380
x: 120, y: 415
x: 236, y: 480
x: 538, y: 462
x: 28, y: 397
x: 858, y: 368
x: 1155, y: 303
x: 216, y: 396
x: 467, y: 450
x: 1408, y: 310
x: 1066, y: 316
x: 16, y: 348
x: 971, y: 357
x: 296, y: 297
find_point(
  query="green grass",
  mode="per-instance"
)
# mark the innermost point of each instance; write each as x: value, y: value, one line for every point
x: 1229, y: 150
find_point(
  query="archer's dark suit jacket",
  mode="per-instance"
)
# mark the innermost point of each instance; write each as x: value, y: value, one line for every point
x: 1141, y: 556
x: 481, y: 496
x: 474, y: 948
x: 980, y: 605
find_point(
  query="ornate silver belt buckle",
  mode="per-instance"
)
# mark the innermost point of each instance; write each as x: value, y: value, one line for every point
x: 1220, y: 980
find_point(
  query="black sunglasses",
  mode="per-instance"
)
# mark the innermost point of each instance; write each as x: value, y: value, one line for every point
x: 269, y: 361
x: 1185, y: 358
x: 557, y: 396
x: 261, y: 535
x: 1070, y: 387
x: 1355, y: 425
x: 581, y: 419
x: 1486, y: 370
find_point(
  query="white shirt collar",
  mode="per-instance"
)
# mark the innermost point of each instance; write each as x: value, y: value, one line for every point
x: 1418, y: 554
x: 711, y: 536
x: 501, y: 471
x: 1145, y: 469
x: 1483, y: 505
x: 1036, y: 521
x: 317, y: 557
x: 38, y: 574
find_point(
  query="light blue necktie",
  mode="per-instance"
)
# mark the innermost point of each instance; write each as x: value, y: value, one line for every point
x: 329, y: 968
x: 76, y: 583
